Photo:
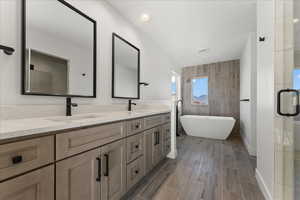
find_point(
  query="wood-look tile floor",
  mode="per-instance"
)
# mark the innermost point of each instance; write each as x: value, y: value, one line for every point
x: 204, y: 170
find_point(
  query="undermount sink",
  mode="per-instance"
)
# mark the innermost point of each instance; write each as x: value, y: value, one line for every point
x: 75, y: 118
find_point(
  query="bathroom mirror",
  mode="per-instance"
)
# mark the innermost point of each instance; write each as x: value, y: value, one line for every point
x: 125, y: 69
x: 58, y: 50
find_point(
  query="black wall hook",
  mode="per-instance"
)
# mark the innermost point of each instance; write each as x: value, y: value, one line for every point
x: 144, y: 83
x: 262, y: 39
x: 7, y: 50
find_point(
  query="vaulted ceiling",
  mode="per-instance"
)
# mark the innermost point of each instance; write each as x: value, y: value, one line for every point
x: 182, y: 28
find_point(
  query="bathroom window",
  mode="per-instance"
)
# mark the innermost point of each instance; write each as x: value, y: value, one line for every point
x: 296, y: 77
x: 173, y: 86
x: 200, y: 90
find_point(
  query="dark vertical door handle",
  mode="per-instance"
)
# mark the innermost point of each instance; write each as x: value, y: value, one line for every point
x: 98, y: 179
x: 279, y: 94
x: 107, y: 164
x: 156, y: 135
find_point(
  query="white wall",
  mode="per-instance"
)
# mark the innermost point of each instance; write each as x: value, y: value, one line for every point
x: 80, y: 58
x: 265, y: 97
x: 155, y: 65
x: 125, y: 81
x: 248, y: 74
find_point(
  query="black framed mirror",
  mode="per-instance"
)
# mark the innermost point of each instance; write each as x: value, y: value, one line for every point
x: 58, y: 50
x: 125, y: 69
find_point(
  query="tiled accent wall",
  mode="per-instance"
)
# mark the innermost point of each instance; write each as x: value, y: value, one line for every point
x: 284, y: 126
x: 223, y: 90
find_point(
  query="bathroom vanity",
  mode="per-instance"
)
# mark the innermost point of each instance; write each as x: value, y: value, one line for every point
x: 102, y: 160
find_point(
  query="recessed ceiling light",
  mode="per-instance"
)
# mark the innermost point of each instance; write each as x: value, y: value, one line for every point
x: 145, y: 17
x: 296, y: 20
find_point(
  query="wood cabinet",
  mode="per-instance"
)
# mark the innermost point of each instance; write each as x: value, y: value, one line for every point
x: 155, y: 149
x: 150, y: 122
x: 19, y: 157
x: 134, y: 126
x: 156, y: 145
x: 135, y: 147
x: 113, y: 183
x: 78, y: 141
x: 166, y: 118
x: 167, y: 147
x: 36, y: 185
x: 95, y: 175
x: 148, y: 137
x: 79, y: 177
x: 93, y: 163
x: 166, y: 139
x: 135, y: 172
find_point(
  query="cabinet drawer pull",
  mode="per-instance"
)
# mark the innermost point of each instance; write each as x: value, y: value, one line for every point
x: 17, y: 159
x: 107, y: 165
x: 137, y: 126
x: 98, y: 179
x: 136, y: 171
x: 156, y: 134
x: 137, y: 146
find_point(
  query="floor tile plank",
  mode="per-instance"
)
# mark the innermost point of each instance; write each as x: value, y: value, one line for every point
x: 204, y: 170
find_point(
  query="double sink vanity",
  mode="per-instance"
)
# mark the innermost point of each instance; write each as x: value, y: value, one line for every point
x: 90, y: 157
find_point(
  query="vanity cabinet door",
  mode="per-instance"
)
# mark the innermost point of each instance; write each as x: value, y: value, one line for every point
x: 113, y: 185
x: 156, y: 146
x: 37, y: 185
x: 148, y: 137
x: 166, y: 139
x: 167, y: 147
x: 79, y: 177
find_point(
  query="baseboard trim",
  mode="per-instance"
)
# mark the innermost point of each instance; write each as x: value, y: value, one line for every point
x: 263, y: 186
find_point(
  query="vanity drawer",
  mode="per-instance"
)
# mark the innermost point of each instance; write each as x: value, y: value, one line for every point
x: 153, y: 121
x: 135, y: 172
x: 134, y: 126
x: 166, y: 118
x: 77, y: 141
x: 135, y: 147
x: 19, y: 157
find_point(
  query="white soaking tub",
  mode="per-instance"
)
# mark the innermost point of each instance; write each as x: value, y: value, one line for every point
x: 207, y: 126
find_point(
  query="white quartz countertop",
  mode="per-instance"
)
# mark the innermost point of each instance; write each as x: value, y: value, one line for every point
x: 13, y: 129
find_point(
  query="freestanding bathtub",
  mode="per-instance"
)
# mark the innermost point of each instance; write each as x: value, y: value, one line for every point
x: 207, y: 126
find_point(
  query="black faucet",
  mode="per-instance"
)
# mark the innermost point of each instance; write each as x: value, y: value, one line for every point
x: 129, y: 104
x: 69, y: 106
